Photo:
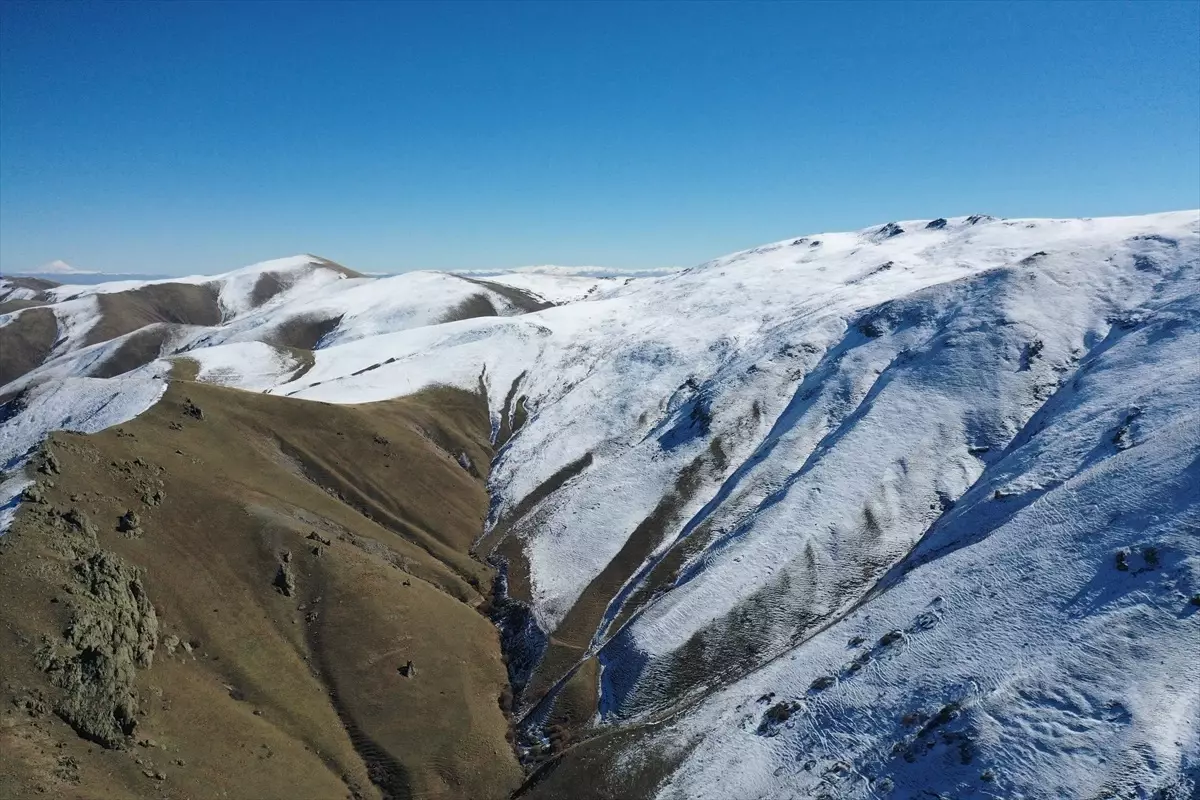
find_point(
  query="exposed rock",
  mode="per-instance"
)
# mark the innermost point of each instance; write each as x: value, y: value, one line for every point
x: 408, y: 670
x: 1031, y: 353
x: 112, y: 632
x: 285, y: 581
x: 33, y: 494
x: 859, y: 661
x: 937, y: 224
x: 80, y: 523
x: 821, y: 683
x: 191, y: 409
x: 1122, y: 560
x: 890, y: 638
x: 1123, y: 438
x: 313, y: 536
x: 129, y: 522
x: 66, y: 769
x: 33, y: 702
x: 873, y: 328
x: 49, y: 465
x: 945, y: 714
x: 776, y: 716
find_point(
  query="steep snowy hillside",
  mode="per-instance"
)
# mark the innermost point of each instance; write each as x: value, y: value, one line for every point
x: 901, y: 510
x: 565, y: 284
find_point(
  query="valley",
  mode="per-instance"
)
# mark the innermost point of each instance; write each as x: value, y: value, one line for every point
x: 910, y: 509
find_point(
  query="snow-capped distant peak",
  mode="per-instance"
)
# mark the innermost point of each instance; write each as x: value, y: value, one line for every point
x: 60, y: 267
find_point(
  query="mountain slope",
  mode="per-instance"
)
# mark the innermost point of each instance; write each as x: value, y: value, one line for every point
x: 286, y: 590
x: 300, y: 302
x: 934, y: 436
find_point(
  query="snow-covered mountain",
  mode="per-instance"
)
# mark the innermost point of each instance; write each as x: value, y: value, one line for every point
x: 909, y: 509
x: 60, y: 267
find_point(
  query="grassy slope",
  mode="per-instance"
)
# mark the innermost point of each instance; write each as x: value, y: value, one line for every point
x: 281, y: 696
x: 25, y: 342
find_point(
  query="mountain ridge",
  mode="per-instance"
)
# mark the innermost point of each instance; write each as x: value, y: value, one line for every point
x: 702, y: 479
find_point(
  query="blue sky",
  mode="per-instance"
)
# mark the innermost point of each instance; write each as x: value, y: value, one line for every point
x: 185, y: 137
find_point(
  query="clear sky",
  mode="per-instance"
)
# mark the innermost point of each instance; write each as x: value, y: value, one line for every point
x: 185, y: 137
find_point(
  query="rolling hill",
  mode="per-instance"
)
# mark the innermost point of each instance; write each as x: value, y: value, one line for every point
x: 906, y: 511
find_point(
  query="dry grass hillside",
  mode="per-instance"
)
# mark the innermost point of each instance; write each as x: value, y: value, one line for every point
x: 26, y: 342
x: 246, y: 596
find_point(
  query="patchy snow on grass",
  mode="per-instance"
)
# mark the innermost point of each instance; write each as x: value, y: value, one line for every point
x: 69, y: 403
x: 880, y: 478
x: 1027, y: 661
x: 85, y: 405
x: 555, y: 286
x: 254, y: 366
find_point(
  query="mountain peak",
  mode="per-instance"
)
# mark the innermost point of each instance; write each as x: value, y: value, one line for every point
x: 60, y: 267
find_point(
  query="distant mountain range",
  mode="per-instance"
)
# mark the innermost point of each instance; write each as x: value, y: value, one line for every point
x: 61, y: 272
x: 85, y: 278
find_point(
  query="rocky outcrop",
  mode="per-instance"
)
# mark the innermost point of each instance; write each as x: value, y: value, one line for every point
x: 113, y: 631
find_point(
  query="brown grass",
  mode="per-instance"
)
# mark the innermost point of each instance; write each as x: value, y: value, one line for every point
x: 523, y: 300
x: 138, y: 350
x: 573, y: 635
x: 9, y: 306
x: 477, y: 305
x: 180, y: 303
x: 254, y: 478
x: 618, y: 764
x: 25, y: 342
x: 304, y: 332
x: 37, y: 284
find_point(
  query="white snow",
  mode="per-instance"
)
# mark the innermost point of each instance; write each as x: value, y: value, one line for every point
x: 1074, y: 678
x: 947, y: 431
x: 565, y: 284
x: 254, y: 366
x: 11, y: 291
x: 85, y: 405
x: 70, y: 403
x: 60, y: 267
x: 235, y: 285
